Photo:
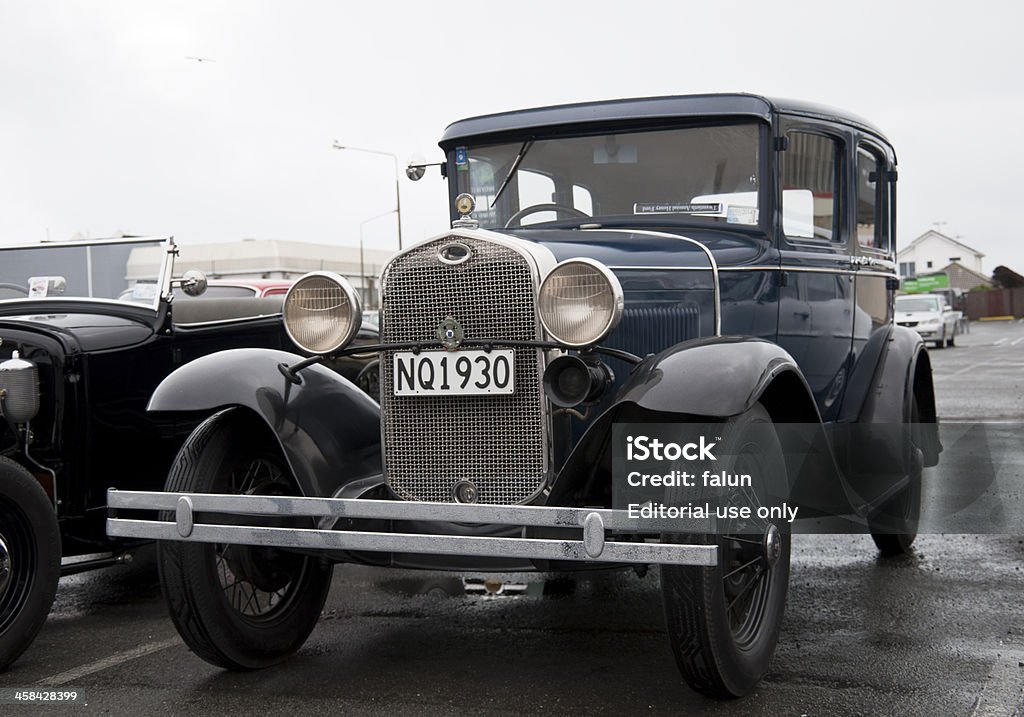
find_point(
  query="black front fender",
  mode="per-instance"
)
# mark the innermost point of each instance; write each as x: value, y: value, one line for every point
x: 715, y: 377
x: 328, y: 429
x: 708, y: 380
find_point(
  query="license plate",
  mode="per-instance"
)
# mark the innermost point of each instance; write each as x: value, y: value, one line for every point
x: 458, y: 373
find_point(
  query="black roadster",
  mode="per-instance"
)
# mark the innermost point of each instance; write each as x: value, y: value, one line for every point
x: 87, y: 331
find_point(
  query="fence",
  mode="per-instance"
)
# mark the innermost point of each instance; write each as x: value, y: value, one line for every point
x: 997, y: 302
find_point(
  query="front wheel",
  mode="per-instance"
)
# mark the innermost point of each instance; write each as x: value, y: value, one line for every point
x: 29, y: 559
x: 236, y: 606
x: 723, y: 621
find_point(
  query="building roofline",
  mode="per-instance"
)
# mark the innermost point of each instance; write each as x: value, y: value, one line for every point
x: 915, y: 242
x: 970, y: 271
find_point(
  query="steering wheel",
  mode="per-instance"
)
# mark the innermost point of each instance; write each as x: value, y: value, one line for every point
x: 517, y: 218
x: 14, y: 287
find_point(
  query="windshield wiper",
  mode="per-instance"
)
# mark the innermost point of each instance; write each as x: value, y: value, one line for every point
x: 512, y: 170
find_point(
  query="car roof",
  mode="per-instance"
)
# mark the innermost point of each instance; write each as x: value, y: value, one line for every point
x: 647, y: 108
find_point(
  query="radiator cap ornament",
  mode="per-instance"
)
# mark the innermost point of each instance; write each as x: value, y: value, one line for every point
x: 450, y: 333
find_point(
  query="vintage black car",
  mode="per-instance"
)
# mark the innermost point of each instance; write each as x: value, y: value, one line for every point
x: 722, y: 260
x: 87, y: 331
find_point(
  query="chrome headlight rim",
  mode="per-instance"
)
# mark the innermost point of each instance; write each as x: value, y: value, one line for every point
x: 618, y: 301
x: 353, y: 300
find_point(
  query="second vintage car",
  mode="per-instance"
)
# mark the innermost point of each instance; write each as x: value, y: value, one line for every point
x: 719, y: 261
x: 87, y: 331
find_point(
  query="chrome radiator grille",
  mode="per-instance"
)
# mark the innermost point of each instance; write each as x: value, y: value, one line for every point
x: 433, y: 442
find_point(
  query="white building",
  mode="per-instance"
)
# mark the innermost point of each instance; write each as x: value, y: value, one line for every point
x: 932, y: 251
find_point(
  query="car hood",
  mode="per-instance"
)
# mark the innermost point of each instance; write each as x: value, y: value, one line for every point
x: 83, y: 331
x: 635, y: 248
x: 918, y: 316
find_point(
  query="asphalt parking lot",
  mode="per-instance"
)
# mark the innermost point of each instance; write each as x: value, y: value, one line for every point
x: 940, y: 632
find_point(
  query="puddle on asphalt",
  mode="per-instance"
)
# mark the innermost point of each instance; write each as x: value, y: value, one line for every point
x: 479, y: 587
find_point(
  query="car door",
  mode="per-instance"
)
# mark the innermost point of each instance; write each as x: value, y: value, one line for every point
x: 817, y: 296
x: 874, y: 177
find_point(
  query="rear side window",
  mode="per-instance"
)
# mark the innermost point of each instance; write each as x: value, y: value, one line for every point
x: 810, y: 187
x: 872, y: 229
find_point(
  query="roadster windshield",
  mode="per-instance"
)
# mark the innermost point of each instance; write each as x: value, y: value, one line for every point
x: 120, y: 270
x: 708, y: 173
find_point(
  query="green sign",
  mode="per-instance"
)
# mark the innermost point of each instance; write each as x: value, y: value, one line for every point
x: 923, y: 284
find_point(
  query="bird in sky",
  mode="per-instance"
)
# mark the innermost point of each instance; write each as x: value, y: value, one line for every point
x: 200, y: 59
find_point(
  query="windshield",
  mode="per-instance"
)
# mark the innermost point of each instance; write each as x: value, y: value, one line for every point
x: 703, y: 173
x: 917, y: 303
x: 111, y: 270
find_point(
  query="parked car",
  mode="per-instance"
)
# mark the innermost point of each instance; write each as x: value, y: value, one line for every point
x: 663, y: 263
x: 87, y: 331
x: 930, y: 316
x: 238, y: 288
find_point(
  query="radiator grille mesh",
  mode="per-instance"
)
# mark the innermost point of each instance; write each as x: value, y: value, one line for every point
x: 431, y: 442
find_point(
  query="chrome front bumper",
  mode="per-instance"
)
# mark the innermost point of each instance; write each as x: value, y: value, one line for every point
x: 593, y: 544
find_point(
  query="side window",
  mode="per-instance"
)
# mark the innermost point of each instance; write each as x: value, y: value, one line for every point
x: 534, y: 189
x: 582, y: 199
x: 872, y: 229
x: 810, y: 187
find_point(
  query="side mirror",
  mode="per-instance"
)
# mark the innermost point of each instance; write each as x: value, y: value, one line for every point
x: 417, y: 167
x: 193, y: 282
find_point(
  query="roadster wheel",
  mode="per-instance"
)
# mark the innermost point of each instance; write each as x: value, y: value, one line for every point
x: 238, y: 607
x: 29, y: 559
x: 894, y: 526
x: 723, y: 621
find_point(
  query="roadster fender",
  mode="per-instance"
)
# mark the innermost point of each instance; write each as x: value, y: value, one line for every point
x: 328, y: 429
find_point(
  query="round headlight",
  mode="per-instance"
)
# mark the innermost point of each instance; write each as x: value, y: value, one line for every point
x: 322, y: 312
x: 580, y: 302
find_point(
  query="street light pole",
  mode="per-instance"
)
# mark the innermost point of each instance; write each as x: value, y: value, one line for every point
x: 398, y: 194
x: 362, y: 262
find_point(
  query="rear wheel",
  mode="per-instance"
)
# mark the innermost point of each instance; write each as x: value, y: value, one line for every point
x: 237, y: 606
x: 723, y: 621
x: 894, y: 526
x: 29, y: 559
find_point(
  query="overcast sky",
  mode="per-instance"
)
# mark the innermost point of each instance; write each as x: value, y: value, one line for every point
x: 106, y: 126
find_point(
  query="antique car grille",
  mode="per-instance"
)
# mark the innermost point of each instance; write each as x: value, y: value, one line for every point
x: 431, y: 443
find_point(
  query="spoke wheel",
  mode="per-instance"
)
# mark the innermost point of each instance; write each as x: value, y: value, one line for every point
x: 237, y: 606
x: 723, y: 621
x: 29, y: 559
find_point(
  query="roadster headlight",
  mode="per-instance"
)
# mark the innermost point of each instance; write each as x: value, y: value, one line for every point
x: 322, y: 312
x: 580, y: 302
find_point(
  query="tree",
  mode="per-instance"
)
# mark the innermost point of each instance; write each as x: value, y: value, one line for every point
x: 1006, y: 278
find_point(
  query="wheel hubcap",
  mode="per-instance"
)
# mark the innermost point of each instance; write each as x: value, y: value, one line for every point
x: 772, y: 545
x: 6, y: 567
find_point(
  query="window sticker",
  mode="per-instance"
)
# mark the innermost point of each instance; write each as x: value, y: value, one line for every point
x: 741, y: 215
x: 461, y: 159
x: 670, y: 208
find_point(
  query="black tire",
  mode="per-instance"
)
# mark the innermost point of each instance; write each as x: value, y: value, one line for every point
x: 214, y: 592
x: 723, y: 622
x: 894, y: 526
x: 31, y: 542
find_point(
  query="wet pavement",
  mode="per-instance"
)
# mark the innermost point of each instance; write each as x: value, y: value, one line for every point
x: 939, y: 632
